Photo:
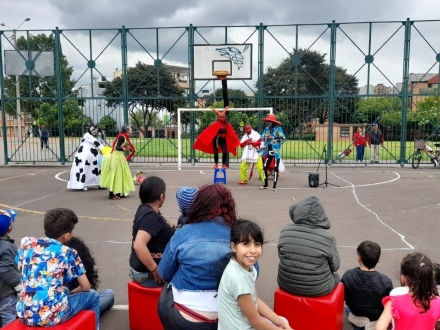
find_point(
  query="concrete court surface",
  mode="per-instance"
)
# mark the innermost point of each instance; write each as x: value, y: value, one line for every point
x: 396, y: 207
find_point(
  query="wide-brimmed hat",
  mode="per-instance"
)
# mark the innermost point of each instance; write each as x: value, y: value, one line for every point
x: 271, y: 118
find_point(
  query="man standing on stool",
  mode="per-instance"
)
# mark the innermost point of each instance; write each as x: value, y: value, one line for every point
x: 250, y: 143
x: 375, y: 140
x: 218, y: 134
x: 272, y: 137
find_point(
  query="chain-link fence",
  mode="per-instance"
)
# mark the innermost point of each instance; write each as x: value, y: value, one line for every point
x: 327, y: 83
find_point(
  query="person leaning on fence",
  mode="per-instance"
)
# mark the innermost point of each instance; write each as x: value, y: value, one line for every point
x: 359, y: 142
x: 250, y: 142
x: 44, y: 136
x: 375, y: 141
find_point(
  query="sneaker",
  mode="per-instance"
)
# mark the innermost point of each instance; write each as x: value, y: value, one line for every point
x: 274, y: 188
x: 215, y: 166
x: 263, y: 187
x: 243, y: 182
x: 224, y: 166
x: 85, y: 189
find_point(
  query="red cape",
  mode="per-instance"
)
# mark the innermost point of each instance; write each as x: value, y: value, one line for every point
x: 204, y: 140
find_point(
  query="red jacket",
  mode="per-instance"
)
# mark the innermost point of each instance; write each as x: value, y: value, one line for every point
x: 359, y: 139
x: 204, y: 140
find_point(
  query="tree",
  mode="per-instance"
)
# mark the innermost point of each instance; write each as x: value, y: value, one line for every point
x: 150, y: 90
x: 42, y: 89
x: 290, y: 88
x: 379, y: 109
x: 108, y: 124
x: 237, y: 96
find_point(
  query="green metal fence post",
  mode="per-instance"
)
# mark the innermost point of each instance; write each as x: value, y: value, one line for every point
x: 331, y: 93
x: 59, y: 94
x: 124, y: 72
x: 404, y: 91
x: 3, y: 104
x: 260, y: 100
x: 192, y: 136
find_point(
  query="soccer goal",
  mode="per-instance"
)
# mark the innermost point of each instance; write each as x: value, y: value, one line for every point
x: 179, y: 125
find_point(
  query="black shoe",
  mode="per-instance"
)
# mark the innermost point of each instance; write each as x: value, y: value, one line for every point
x: 377, y: 162
x: 111, y: 195
x: 263, y: 187
x: 101, y: 188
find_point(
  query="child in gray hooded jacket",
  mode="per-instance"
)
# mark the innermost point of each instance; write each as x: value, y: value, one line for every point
x: 10, y: 276
x: 307, y: 251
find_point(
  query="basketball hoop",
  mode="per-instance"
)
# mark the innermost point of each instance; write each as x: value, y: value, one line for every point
x: 221, y: 74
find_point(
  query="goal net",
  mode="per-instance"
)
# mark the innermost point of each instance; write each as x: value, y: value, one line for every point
x: 179, y: 124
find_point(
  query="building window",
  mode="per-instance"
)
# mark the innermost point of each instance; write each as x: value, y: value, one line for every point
x: 345, y: 132
x: 10, y: 117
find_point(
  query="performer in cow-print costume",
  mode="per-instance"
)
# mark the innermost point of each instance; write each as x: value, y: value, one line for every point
x: 85, y: 170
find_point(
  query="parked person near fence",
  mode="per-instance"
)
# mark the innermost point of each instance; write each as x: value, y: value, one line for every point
x: 44, y: 136
x: 308, y: 253
x: 151, y: 234
x: 115, y: 172
x: 375, y: 141
x: 10, y: 276
x: 365, y: 287
x: 239, y: 306
x: 420, y: 307
x: 219, y: 134
x: 46, y: 265
x: 193, y: 261
x: 359, y: 142
x: 85, y: 171
x: 107, y: 296
x: 250, y: 142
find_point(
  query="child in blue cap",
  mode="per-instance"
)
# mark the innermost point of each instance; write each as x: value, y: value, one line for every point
x: 10, y: 277
x: 185, y: 198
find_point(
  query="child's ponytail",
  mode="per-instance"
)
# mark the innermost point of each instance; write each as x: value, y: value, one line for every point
x: 419, y: 274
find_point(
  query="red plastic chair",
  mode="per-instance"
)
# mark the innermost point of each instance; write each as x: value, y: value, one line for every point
x: 142, y: 307
x: 84, y: 320
x: 306, y: 313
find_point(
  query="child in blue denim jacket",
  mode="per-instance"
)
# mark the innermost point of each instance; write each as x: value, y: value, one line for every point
x: 9, y: 273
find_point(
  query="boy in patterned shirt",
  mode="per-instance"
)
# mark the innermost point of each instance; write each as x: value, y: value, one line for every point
x: 46, y: 266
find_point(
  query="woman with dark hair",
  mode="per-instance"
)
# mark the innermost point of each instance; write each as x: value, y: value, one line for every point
x: 85, y: 170
x: 194, y: 260
x: 106, y: 297
x: 151, y: 233
x: 115, y: 173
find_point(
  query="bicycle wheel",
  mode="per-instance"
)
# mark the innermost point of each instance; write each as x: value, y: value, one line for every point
x: 417, y: 157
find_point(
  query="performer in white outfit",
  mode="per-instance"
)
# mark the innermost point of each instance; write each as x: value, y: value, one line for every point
x: 85, y: 170
x: 250, y: 143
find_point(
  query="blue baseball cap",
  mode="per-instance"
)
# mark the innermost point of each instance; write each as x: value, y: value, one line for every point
x: 6, y: 219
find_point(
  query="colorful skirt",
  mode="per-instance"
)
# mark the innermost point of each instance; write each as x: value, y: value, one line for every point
x: 115, y: 174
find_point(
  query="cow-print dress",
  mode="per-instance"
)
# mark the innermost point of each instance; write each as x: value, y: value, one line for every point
x: 85, y: 170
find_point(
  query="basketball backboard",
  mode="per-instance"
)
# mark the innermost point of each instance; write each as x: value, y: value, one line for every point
x: 234, y: 58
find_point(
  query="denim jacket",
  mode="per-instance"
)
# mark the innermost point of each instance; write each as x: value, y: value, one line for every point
x: 196, y: 256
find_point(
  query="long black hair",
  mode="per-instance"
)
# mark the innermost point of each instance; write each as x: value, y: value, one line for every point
x: 88, y: 261
x: 418, y: 272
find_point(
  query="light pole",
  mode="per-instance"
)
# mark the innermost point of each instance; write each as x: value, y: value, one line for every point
x: 17, y: 81
x: 82, y: 108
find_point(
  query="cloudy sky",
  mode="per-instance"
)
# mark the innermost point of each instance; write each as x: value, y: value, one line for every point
x: 68, y: 14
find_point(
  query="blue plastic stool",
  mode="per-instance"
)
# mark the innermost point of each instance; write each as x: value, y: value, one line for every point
x: 216, y: 178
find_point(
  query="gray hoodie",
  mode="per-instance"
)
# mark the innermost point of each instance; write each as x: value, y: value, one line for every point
x: 307, y: 251
x: 10, y: 276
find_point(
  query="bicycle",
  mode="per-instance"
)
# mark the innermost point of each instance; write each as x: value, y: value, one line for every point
x: 434, y: 155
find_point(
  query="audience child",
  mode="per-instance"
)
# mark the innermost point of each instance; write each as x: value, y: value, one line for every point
x: 239, y: 306
x: 307, y: 251
x: 151, y: 233
x: 420, y: 307
x: 106, y: 297
x: 46, y: 264
x: 193, y: 261
x: 185, y: 198
x: 9, y: 273
x: 365, y: 287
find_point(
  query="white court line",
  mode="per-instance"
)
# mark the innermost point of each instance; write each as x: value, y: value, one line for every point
x: 34, y: 200
x: 57, y: 176
x: 410, y: 247
x: 120, y: 307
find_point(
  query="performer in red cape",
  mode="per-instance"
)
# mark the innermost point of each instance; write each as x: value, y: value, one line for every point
x: 218, y: 134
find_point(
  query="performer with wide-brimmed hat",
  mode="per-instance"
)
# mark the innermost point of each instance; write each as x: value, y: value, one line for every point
x: 272, y: 137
